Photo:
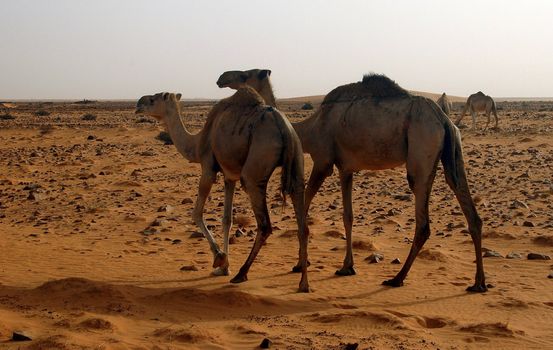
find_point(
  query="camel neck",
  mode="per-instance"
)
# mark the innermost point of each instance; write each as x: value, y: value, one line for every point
x: 266, y: 92
x: 185, y: 142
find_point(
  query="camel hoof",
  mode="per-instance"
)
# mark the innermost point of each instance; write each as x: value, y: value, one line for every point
x: 220, y: 271
x: 239, y: 279
x: 477, y: 288
x: 303, y: 289
x: 220, y: 260
x: 297, y: 268
x: 393, y: 283
x: 345, y: 271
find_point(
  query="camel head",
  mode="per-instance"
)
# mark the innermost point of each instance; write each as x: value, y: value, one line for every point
x: 235, y: 79
x: 156, y: 105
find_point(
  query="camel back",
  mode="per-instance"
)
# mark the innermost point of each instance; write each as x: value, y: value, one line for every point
x: 374, y: 86
x: 245, y: 101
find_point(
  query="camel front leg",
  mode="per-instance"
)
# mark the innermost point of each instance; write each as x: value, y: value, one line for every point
x: 206, y: 182
x: 488, y: 121
x: 346, y: 180
x: 223, y: 270
x: 473, y: 114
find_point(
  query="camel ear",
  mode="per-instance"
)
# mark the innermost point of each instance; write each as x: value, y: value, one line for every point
x: 178, y: 96
x: 165, y: 96
x: 264, y: 73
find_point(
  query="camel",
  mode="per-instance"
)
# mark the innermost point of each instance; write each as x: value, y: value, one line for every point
x: 373, y: 125
x: 444, y: 104
x: 479, y: 102
x: 245, y: 140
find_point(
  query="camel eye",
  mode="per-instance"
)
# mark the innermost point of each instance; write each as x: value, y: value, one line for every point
x: 151, y: 101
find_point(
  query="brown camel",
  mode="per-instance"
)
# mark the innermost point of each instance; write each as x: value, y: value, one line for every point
x: 479, y: 102
x: 245, y: 140
x: 375, y: 124
x: 444, y: 104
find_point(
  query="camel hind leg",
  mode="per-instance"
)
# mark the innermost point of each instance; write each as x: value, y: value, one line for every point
x: 422, y: 162
x: 223, y: 270
x: 346, y: 180
x: 462, y: 192
x: 303, y: 235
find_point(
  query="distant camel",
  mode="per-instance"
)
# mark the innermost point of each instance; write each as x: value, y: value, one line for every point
x: 245, y: 140
x: 479, y: 102
x: 444, y: 104
x: 375, y: 124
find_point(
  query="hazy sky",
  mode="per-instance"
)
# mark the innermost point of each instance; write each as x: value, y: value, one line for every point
x: 123, y: 49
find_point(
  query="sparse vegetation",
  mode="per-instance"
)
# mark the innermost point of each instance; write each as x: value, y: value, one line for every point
x: 88, y: 116
x: 42, y: 113
x: 6, y: 116
x: 307, y: 106
x: 85, y: 101
x: 165, y: 137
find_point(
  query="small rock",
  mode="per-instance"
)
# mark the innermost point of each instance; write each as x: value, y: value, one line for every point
x: 34, y: 196
x: 232, y: 240
x: 374, y: 258
x: 91, y: 137
x: 403, y: 197
x: 538, y: 256
x: 31, y: 187
x: 528, y: 224
x: 550, y: 275
x: 516, y: 204
x: 176, y: 241
x: 187, y: 201
x: 19, y: 336
x: 189, y: 268
x: 149, y: 231
x: 513, y: 255
x: 492, y: 254
x: 158, y: 222
x: 165, y: 208
x: 396, y: 261
x: 196, y: 234
x: 238, y: 233
x: 351, y: 346
x: 266, y: 343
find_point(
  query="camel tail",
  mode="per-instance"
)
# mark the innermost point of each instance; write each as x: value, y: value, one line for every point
x: 494, y: 109
x: 292, y: 158
x: 452, y: 154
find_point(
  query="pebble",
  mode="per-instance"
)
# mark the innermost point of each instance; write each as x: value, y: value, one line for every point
x: 550, y: 275
x: 351, y: 346
x: 538, y: 256
x: 492, y: 254
x: 165, y: 208
x: 266, y: 343
x: 19, y: 336
x: 187, y: 201
x: 516, y: 204
x: 513, y: 255
x: 189, y: 268
x: 374, y: 258
x: 196, y: 234
x: 528, y: 224
x: 396, y: 261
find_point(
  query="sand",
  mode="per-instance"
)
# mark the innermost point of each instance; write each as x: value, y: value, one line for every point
x: 95, y: 226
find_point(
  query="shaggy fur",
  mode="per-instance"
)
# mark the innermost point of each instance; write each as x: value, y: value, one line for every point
x: 376, y: 86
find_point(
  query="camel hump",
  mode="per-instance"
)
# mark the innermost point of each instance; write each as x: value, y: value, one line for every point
x: 372, y: 86
x: 245, y: 97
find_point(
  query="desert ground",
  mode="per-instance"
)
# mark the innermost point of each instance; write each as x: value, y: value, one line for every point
x: 98, y: 249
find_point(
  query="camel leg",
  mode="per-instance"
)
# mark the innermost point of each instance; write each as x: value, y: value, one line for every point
x: 316, y: 179
x: 303, y: 235
x: 496, y: 120
x: 420, y: 177
x: 227, y: 224
x: 473, y: 114
x: 488, y: 122
x: 257, y: 193
x: 206, y: 181
x: 462, y: 193
x: 346, y: 180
